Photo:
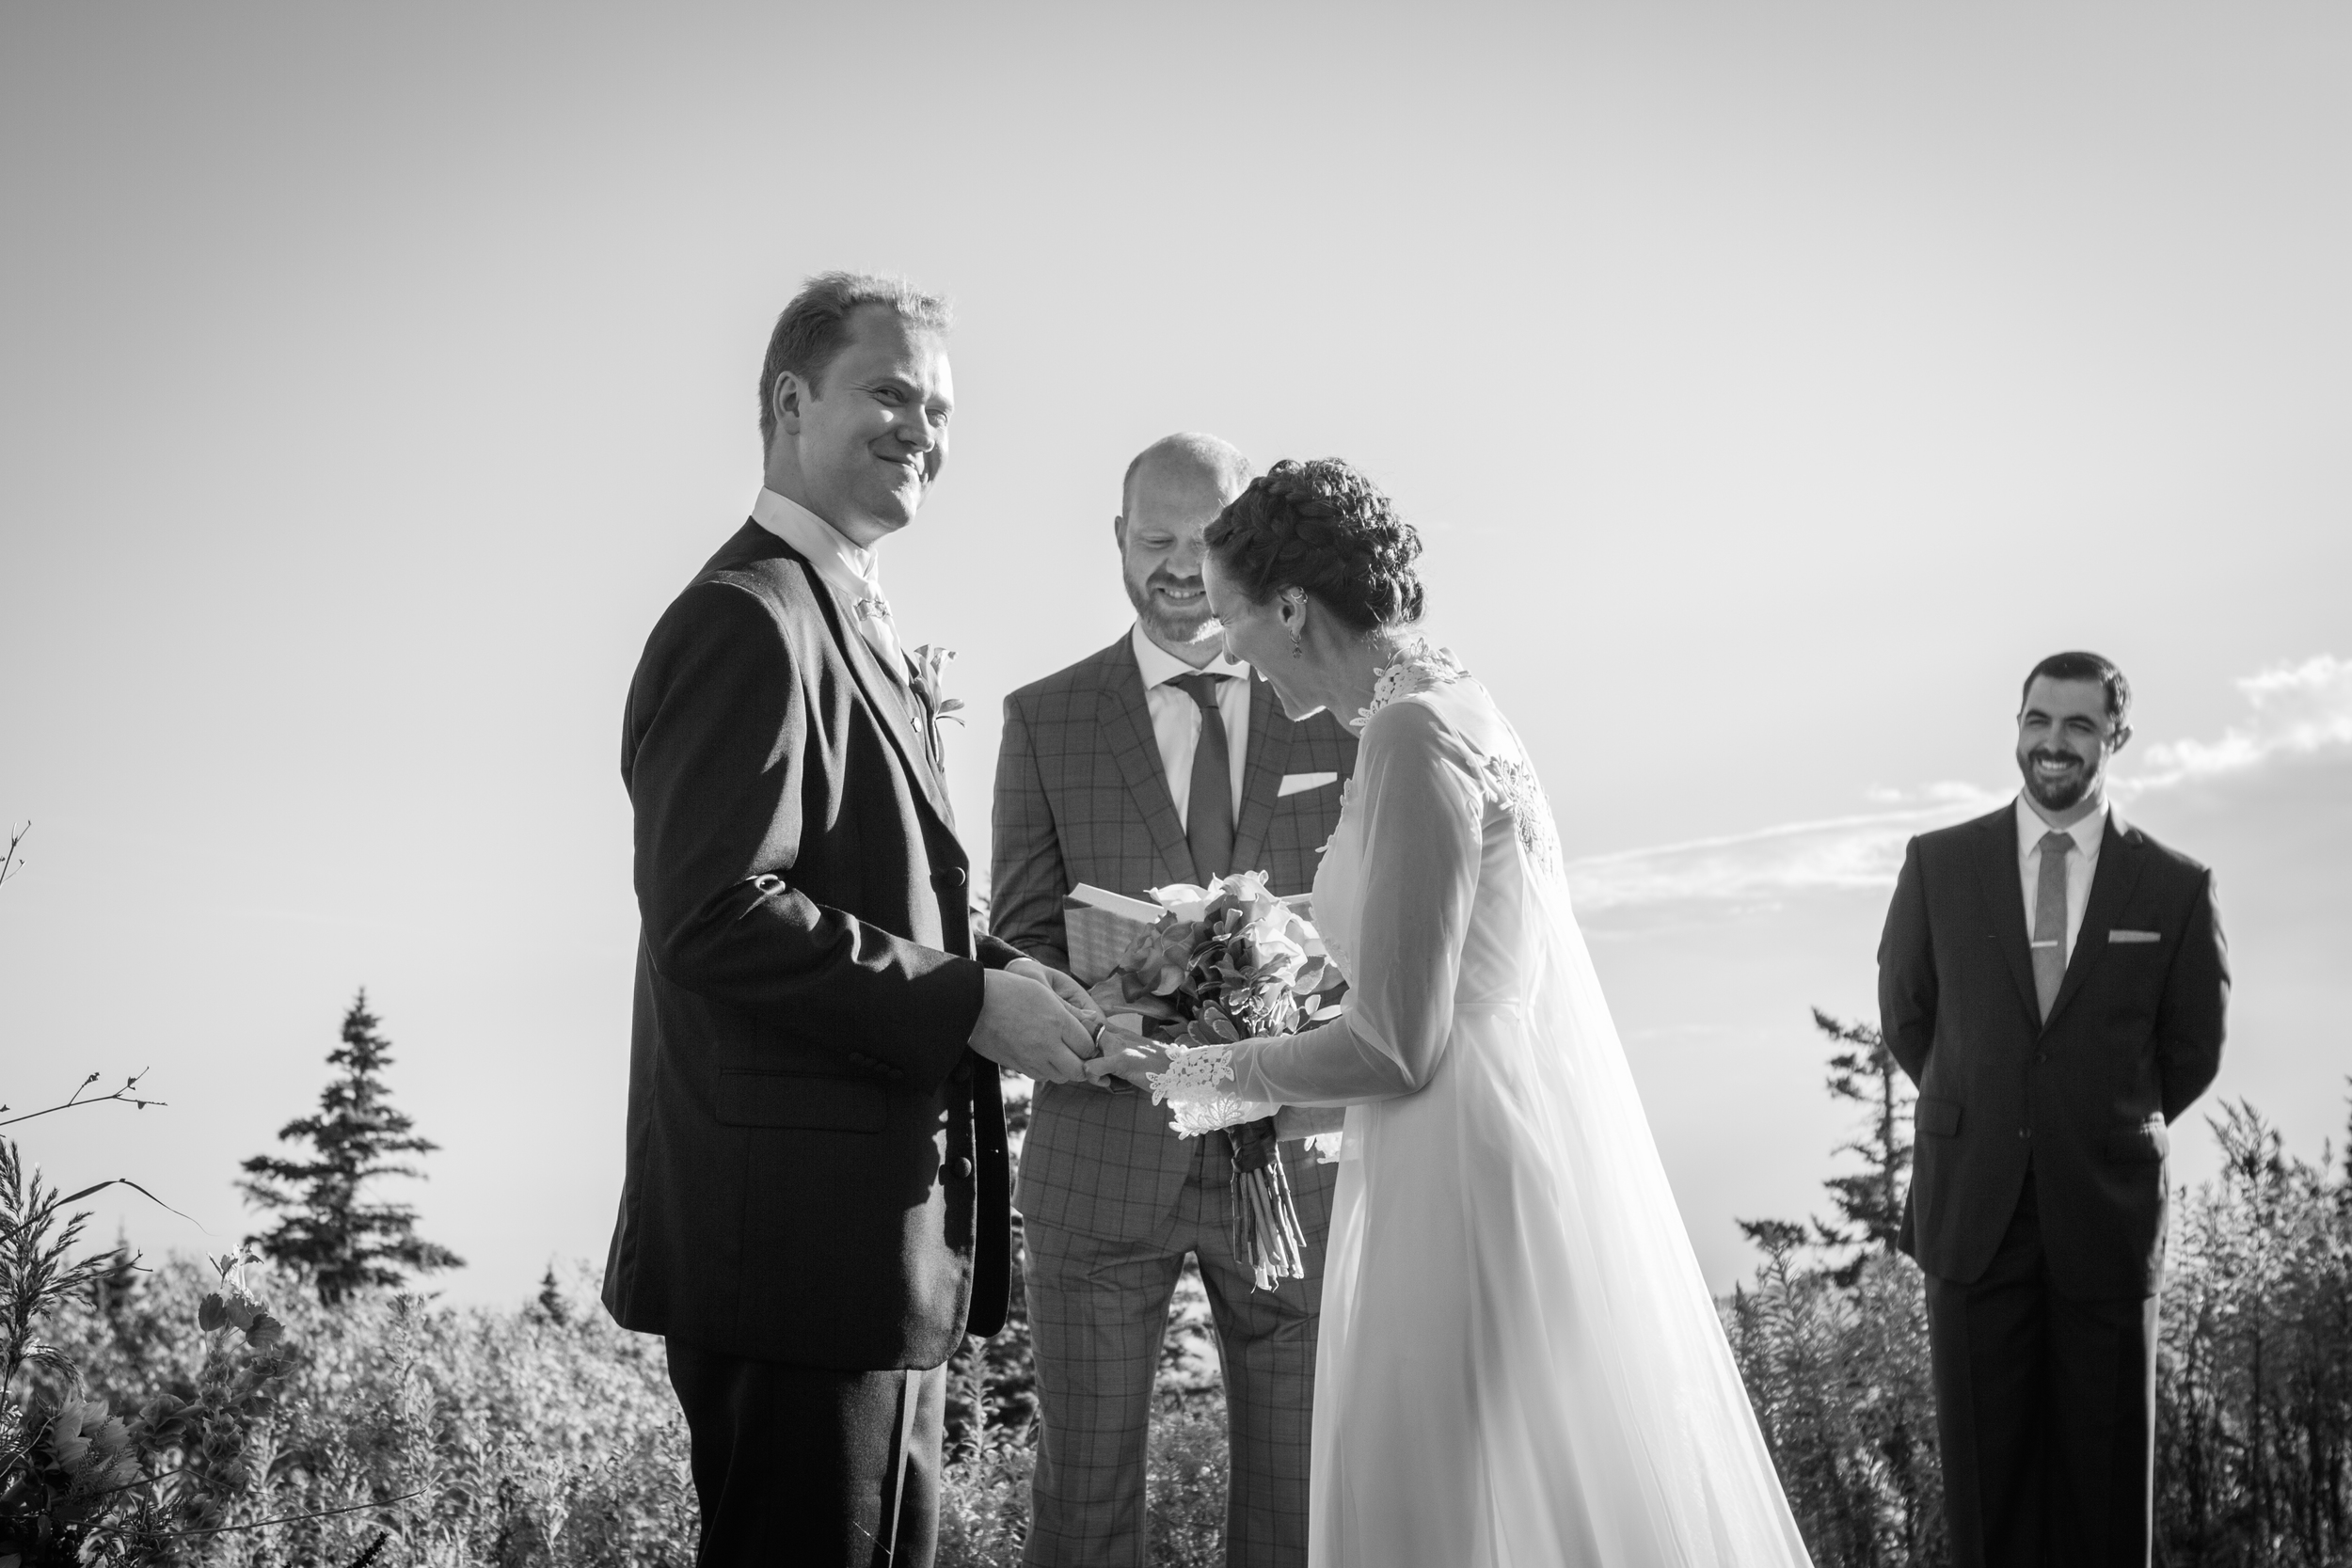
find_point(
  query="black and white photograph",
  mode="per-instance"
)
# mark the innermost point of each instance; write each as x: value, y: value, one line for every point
x: 1282, y: 786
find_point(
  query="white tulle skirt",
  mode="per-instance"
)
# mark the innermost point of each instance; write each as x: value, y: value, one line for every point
x: 1519, y: 1361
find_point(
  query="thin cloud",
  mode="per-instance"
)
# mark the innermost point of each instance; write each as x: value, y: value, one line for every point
x: 2296, y: 710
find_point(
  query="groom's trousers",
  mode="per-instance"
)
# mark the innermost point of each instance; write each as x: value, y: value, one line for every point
x: 1098, y: 1311
x: 806, y: 1466
x: 2045, y: 1412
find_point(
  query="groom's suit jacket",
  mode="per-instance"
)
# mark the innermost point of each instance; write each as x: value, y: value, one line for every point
x: 2133, y: 1037
x: 1082, y: 797
x: 816, y: 1162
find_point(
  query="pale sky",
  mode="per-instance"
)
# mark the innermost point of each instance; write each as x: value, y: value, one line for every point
x: 1773, y: 387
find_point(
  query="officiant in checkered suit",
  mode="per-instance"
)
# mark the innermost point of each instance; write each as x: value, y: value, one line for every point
x: 1157, y: 761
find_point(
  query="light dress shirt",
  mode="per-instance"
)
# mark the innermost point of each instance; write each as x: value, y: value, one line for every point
x: 2088, y: 835
x: 849, y: 570
x: 1176, y: 717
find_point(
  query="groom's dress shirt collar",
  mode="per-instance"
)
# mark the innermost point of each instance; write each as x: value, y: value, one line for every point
x: 1176, y: 717
x: 849, y: 570
x: 2081, y: 865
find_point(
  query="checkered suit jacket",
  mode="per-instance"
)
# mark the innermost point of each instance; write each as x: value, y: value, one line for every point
x: 1082, y: 797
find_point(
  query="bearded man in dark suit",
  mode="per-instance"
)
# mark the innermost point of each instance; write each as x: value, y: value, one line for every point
x: 1157, y: 760
x: 814, y: 1208
x: 2054, y: 982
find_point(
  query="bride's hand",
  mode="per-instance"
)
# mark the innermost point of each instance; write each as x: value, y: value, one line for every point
x: 1125, y: 1055
x: 1307, y: 1121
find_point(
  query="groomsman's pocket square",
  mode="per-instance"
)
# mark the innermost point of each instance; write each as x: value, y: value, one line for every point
x: 1298, y: 783
x: 2117, y: 933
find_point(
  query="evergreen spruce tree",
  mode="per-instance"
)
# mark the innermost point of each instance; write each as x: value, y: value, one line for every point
x: 325, y: 1229
x: 1869, y: 1201
x: 551, y: 1304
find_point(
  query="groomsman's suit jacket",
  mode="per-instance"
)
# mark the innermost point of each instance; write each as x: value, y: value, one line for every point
x: 2133, y: 1037
x: 1082, y: 797
x: 816, y: 1162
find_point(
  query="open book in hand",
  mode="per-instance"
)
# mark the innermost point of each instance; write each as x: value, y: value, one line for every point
x: 1101, y: 927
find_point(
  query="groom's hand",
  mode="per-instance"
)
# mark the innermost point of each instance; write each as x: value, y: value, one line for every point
x: 1073, y: 996
x: 1025, y: 1027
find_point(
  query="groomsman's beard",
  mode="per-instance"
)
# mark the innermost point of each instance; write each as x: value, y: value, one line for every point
x: 1165, y: 627
x: 2064, y: 791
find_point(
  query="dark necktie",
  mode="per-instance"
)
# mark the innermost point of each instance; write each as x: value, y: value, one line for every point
x: 2049, y: 920
x: 1209, y: 812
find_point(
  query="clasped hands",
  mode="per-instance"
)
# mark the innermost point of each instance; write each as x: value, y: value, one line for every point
x: 1038, y: 1021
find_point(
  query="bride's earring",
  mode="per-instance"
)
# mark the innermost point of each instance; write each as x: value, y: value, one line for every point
x: 1297, y: 652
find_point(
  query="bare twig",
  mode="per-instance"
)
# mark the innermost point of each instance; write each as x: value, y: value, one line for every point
x: 128, y: 1095
x: 10, y: 861
x: 293, y: 1518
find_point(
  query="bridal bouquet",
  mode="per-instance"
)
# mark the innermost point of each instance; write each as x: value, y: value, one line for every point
x: 1226, y: 962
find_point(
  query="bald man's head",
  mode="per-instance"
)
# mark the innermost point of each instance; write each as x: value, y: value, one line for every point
x: 1174, y: 489
x: 1185, y: 459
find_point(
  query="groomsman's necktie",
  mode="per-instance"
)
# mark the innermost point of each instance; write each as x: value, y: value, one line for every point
x: 2049, y: 920
x: 1209, y: 812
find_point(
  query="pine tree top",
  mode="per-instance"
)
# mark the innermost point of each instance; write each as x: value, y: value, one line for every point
x: 357, y: 1137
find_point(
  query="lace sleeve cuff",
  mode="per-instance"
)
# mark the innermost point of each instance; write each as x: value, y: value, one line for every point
x: 1192, y: 1087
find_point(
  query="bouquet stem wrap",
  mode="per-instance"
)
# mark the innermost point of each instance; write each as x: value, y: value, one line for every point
x: 1267, y: 1233
x: 1225, y: 963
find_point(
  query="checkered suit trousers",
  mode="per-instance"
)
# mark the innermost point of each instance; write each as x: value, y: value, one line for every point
x: 1111, y: 1199
x: 1098, y: 1309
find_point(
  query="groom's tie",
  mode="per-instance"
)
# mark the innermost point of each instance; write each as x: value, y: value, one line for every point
x: 2049, y: 920
x: 872, y: 614
x: 1209, y: 812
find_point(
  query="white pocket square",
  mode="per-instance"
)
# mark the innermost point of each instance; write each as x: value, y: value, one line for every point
x: 2117, y: 933
x: 1298, y: 783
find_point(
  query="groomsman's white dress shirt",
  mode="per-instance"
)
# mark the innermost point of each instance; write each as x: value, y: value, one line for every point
x: 849, y: 570
x: 2088, y: 836
x: 1176, y: 717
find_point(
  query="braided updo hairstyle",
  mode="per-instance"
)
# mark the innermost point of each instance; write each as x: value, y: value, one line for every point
x: 1322, y: 527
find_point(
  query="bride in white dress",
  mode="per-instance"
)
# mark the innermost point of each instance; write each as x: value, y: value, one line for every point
x: 1519, y: 1363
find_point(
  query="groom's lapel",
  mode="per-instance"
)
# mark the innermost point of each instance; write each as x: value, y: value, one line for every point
x: 1269, y: 753
x: 1125, y: 717
x: 895, y: 705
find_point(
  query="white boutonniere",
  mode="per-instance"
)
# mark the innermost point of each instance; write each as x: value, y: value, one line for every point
x: 930, y: 665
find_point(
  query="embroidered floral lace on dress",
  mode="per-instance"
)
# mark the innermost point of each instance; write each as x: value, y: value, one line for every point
x: 1190, y: 1086
x: 1511, y: 783
x: 1420, y: 666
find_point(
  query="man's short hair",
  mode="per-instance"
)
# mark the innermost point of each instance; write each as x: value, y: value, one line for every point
x: 1221, y: 457
x: 815, y: 327
x: 2084, y: 667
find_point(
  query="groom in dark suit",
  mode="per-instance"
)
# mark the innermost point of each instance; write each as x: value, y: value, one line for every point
x: 1157, y: 760
x: 814, y: 1210
x: 2053, y: 981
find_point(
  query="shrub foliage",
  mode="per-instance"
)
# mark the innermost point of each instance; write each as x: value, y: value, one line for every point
x: 2253, y: 1367
x: 222, y: 1413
